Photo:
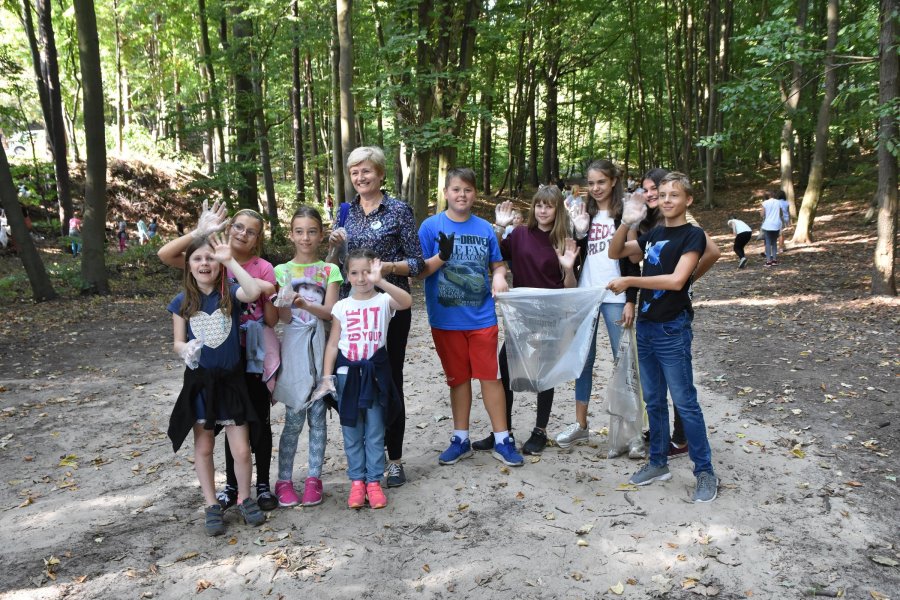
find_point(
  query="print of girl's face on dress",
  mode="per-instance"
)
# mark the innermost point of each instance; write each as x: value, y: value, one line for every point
x: 312, y: 293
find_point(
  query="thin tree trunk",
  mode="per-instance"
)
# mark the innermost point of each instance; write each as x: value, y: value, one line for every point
x: 41, y: 286
x: 120, y: 103
x: 50, y: 69
x: 345, y: 77
x: 807, y: 215
x: 313, y: 138
x: 244, y: 112
x: 262, y: 136
x: 337, y: 155
x: 297, y: 111
x: 883, y: 276
x: 215, y: 105
x: 36, y: 61
x: 712, y: 104
x: 93, y: 232
x: 787, y: 130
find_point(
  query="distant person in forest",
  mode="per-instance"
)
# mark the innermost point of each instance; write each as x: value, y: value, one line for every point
x: 671, y: 253
x: 329, y: 207
x: 122, y: 233
x: 461, y: 279
x: 742, y: 233
x: 772, y: 222
x: 214, y: 393
x: 781, y: 196
x: 143, y: 233
x: 75, y: 232
x: 179, y: 227
x: 153, y: 228
x: 246, y: 237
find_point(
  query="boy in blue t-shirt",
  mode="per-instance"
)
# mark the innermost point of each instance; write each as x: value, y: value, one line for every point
x: 671, y: 253
x: 460, y: 304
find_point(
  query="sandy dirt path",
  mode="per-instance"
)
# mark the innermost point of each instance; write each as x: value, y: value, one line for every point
x: 95, y: 505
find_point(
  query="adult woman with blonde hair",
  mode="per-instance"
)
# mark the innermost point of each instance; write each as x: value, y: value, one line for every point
x: 386, y: 226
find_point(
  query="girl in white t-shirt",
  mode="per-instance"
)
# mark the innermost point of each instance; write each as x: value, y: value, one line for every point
x: 365, y: 390
x: 595, y: 224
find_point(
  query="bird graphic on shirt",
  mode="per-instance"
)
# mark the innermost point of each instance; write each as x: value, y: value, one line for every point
x: 653, y: 252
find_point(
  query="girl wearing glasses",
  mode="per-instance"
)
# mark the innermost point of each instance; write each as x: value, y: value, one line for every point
x: 245, y: 238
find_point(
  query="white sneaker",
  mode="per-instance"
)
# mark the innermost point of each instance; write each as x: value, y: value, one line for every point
x: 572, y: 435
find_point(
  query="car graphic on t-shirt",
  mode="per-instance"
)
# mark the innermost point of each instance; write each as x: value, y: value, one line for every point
x: 465, y: 277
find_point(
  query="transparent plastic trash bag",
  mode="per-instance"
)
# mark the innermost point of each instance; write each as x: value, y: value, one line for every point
x: 548, y: 334
x: 624, y: 401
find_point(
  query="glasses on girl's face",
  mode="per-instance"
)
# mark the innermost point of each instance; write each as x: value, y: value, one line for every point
x: 239, y: 228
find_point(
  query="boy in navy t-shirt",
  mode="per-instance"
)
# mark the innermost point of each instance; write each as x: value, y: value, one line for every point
x: 671, y: 253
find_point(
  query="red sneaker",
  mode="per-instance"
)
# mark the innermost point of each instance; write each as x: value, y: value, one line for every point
x: 312, y: 491
x: 676, y: 451
x: 357, y: 498
x: 284, y: 491
x: 376, y: 497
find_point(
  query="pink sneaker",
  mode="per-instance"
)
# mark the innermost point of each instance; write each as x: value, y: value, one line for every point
x: 376, y: 496
x: 312, y: 491
x: 284, y: 491
x: 357, y: 497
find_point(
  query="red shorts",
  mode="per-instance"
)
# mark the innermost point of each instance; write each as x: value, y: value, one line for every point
x: 468, y: 354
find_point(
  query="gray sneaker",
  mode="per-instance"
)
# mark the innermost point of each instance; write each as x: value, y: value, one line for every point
x: 572, y: 435
x: 649, y: 474
x: 707, y: 487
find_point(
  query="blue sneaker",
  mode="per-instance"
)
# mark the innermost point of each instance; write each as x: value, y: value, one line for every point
x: 507, y: 453
x: 458, y: 450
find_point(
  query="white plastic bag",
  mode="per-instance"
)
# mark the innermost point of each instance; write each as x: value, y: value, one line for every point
x: 624, y: 401
x: 548, y: 334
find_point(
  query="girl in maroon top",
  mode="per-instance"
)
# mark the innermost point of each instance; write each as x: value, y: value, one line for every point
x: 544, y: 256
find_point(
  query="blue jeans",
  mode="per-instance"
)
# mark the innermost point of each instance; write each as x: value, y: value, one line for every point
x: 664, y: 357
x: 363, y: 444
x: 611, y: 312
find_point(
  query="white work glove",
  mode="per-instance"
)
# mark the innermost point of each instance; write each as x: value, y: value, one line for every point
x: 503, y: 214
x: 190, y: 353
x: 633, y: 211
x: 212, y: 220
x: 581, y: 219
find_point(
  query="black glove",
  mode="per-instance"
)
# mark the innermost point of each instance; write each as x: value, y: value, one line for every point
x: 445, y: 245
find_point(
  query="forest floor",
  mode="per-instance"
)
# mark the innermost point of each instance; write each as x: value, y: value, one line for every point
x: 797, y: 370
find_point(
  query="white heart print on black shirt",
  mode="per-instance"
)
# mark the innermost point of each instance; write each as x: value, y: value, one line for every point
x: 213, y: 328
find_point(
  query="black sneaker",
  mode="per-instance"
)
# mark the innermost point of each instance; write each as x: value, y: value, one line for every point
x: 396, y: 476
x: 485, y: 444
x: 227, y: 497
x: 251, y: 513
x: 536, y: 443
x: 265, y: 498
x: 215, y: 523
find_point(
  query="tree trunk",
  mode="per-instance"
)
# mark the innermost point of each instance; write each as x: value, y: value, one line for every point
x: 57, y: 127
x: 215, y: 104
x: 262, y: 136
x: 807, y: 215
x: 313, y: 138
x: 345, y: 77
x: 93, y: 231
x: 712, y: 105
x: 337, y: 155
x: 297, y: 111
x: 41, y: 286
x: 43, y: 94
x: 120, y: 102
x: 883, y: 276
x: 485, y: 145
x: 787, y: 130
x: 244, y: 111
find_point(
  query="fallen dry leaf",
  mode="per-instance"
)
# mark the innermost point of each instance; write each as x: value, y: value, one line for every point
x: 520, y: 496
x: 203, y: 584
x: 584, y: 529
x: 426, y: 568
x: 853, y: 483
x: 617, y: 589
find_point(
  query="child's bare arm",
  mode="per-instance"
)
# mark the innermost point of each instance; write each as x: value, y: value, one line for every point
x: 179, y: 326
x: 687, y: 264
x: 621, y: 247
x: 710, y: 255
x: 331, y: 348
x: 498, y: 278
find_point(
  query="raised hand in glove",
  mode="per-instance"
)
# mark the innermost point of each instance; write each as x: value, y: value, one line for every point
x: 503, y: 214
x: 581, y: 219
x: 285, y: 298
x: 445, y: 245
x: 211, y: 220
x: 633, y: 211
x: 190, y: 353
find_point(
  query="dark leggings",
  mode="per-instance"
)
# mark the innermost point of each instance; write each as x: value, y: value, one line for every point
x: 544, y: 398
x: 740, y: 240
x: 262, y: 450
x: 397, y: 336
